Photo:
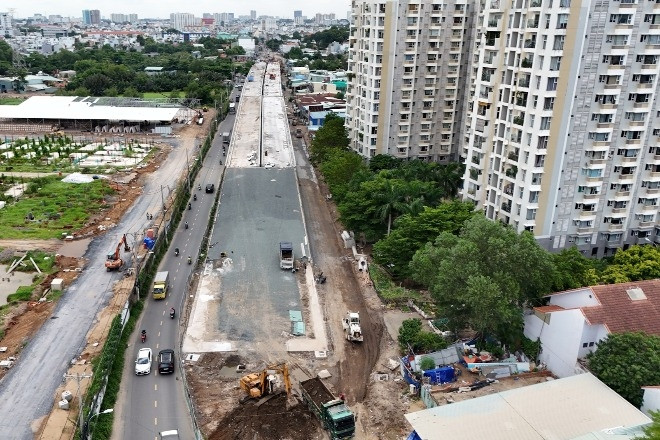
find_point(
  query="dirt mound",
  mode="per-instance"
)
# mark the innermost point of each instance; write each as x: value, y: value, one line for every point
x: 270, y: 421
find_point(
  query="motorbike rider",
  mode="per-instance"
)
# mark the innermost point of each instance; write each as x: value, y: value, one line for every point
x: 143, y: 335
x: 189, y: 259
x: 176, y: 251
x: 172, y: 312
x: 194, y: 196
x: 189, y: 205
x: 199, y: 186
x: 186, y: 225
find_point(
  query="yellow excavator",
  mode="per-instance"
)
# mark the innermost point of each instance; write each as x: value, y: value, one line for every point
x: 257, y: 385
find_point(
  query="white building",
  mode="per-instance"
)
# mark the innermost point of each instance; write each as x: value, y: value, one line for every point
x: 408, y: 61
x: 183, y: 20
x: 563, y: 131
x: 5, y: 24
x: 574, y: 321
x: 123, y: 18
x: 247, y: 44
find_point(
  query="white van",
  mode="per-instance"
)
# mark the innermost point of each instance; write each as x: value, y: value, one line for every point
x: 232, y: 108
x: 172, y: 434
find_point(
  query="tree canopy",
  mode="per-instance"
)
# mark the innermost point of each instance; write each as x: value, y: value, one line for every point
x: 634, y: 264
x: 411, y: 336
x: 482, y: 277
x: 327, y: 36
x: 652, y: 431
x: 627, y: 361
x: 412, y: 232
x: 329, y: 138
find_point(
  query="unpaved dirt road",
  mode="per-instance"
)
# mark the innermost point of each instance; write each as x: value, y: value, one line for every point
x: 341, y: 292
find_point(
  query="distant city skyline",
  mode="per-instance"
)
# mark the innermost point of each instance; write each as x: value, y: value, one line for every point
x: 163, y: 8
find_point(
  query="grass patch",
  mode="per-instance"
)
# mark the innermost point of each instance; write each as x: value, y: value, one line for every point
x: 387, y: 290
x: 23, y: 293
x: 44, y: 260
x: 11, y: 101
x: 55, y: 207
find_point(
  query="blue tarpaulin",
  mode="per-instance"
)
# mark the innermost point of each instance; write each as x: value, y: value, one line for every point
x: 149, y: 242
x: 440, y: 375
x: 413, y: 436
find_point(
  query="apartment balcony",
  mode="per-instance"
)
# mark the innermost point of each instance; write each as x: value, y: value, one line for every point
x: 648, y: 69
x: 535, y: 4
x: 645, y: 85
x: 619, y: 210
x: 601, y: 124
x: 629, y: 160
x: 641, y: 104
x: 615, y: 227
x: 622, y: 194
x: 649, y: 208
x: 519, y: 120
x: 506, y: 207
x: 587, y: 214
x: 591, y: 162
x: 523, y: 83
x: 532, y: 23
x: 495, y: 5
x: 652, y: 191
x: 530, y: 44
x: 588, y: 196
x: 585, y: 229
x: 595, y: 179
x: 611, y: 86
x: 526, y: 63
x: 607, y: 106
x: 654, y: 174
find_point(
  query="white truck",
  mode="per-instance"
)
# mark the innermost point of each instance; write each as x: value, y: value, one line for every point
x: 286, y: 255
x: 226, y: 137
x: 352, y: 329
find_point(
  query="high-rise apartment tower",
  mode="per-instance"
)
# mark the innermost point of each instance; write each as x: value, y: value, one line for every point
x: 563, y: 130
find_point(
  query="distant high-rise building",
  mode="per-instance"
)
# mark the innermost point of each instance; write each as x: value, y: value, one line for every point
x: 55, y: 19
x: 297, y: 14
x: 91, y: 16
x: 230, y: 16
x: 123, y: 18
x: 207, y: 15
x: 300, y: 20
x: 253, y: 15
x: 5, y: 24
x: 183, y: 20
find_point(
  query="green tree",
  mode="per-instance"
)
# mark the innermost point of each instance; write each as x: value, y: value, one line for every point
x: 295, y: 53
x: 384, y: 162
x: 411, y: 336
x: 627, y: 361
x: 412, y: 232
x: 273, y: 44
x: 652, y: 431
x: 339, y: 168
x: 634, y: 264
x: 487, y: 267
x: 97, y: 83
x: 573, y: 270
x: 330, y: 137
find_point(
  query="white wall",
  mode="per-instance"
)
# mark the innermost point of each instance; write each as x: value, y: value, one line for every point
x: 574, y: 298
x: 560, y: 339
x: 591, y: 334
x: 651, y: 400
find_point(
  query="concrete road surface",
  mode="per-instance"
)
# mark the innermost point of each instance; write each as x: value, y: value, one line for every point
x: 27, y: 392
x: 154, y: 403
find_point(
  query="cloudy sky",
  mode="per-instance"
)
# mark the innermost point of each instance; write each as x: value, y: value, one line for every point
x: 163, y: 8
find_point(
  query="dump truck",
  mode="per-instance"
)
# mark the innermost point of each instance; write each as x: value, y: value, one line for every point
x: 161, y: 285
x: 232, y: 108
x: 286, y: 255
x: 352, y: 329
x: 333, y: 413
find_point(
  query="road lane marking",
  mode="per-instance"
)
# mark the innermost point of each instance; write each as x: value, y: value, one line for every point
x: 157, y: 346
x: 155, y: 404
x: 156, y: 421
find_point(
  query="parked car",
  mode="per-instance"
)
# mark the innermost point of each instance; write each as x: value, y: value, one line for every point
x: 166, y: 361
x: 210, y: 188
x: 143, y: 362
x: 298, y: 133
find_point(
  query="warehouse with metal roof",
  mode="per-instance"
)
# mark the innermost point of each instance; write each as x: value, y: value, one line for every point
x: 90, y: 112
x: 580, y: 407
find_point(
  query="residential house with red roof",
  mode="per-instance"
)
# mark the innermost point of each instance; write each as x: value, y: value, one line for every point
x: 574, y: 321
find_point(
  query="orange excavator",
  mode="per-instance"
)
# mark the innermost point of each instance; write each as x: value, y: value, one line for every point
x: 257, y: 385
x: 114, y: 261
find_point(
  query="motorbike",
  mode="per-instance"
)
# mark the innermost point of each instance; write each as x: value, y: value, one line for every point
x: 143, y: 336
x: 189, y: 206
x: 189, y: 260
x: 186, y: 225
x: 199, y: 187
x: 176, y: 252
x: 194, y: 196
x: 172, y: 313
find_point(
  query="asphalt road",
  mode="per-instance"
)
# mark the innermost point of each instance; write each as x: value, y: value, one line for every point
x: 153, y: 403
x: 27, y: 392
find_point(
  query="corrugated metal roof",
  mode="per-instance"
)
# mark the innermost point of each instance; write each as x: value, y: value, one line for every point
x: 563, y: 409
x: 70, y: 107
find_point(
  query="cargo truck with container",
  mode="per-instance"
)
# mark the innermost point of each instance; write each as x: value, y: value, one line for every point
x: 333, y: 413
x: 161, y: 285
x: 232, y: 108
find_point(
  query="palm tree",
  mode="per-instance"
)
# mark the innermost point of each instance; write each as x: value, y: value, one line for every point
x: 390, y: 200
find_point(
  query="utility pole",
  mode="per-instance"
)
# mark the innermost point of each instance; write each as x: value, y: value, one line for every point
x: 79, y: 377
